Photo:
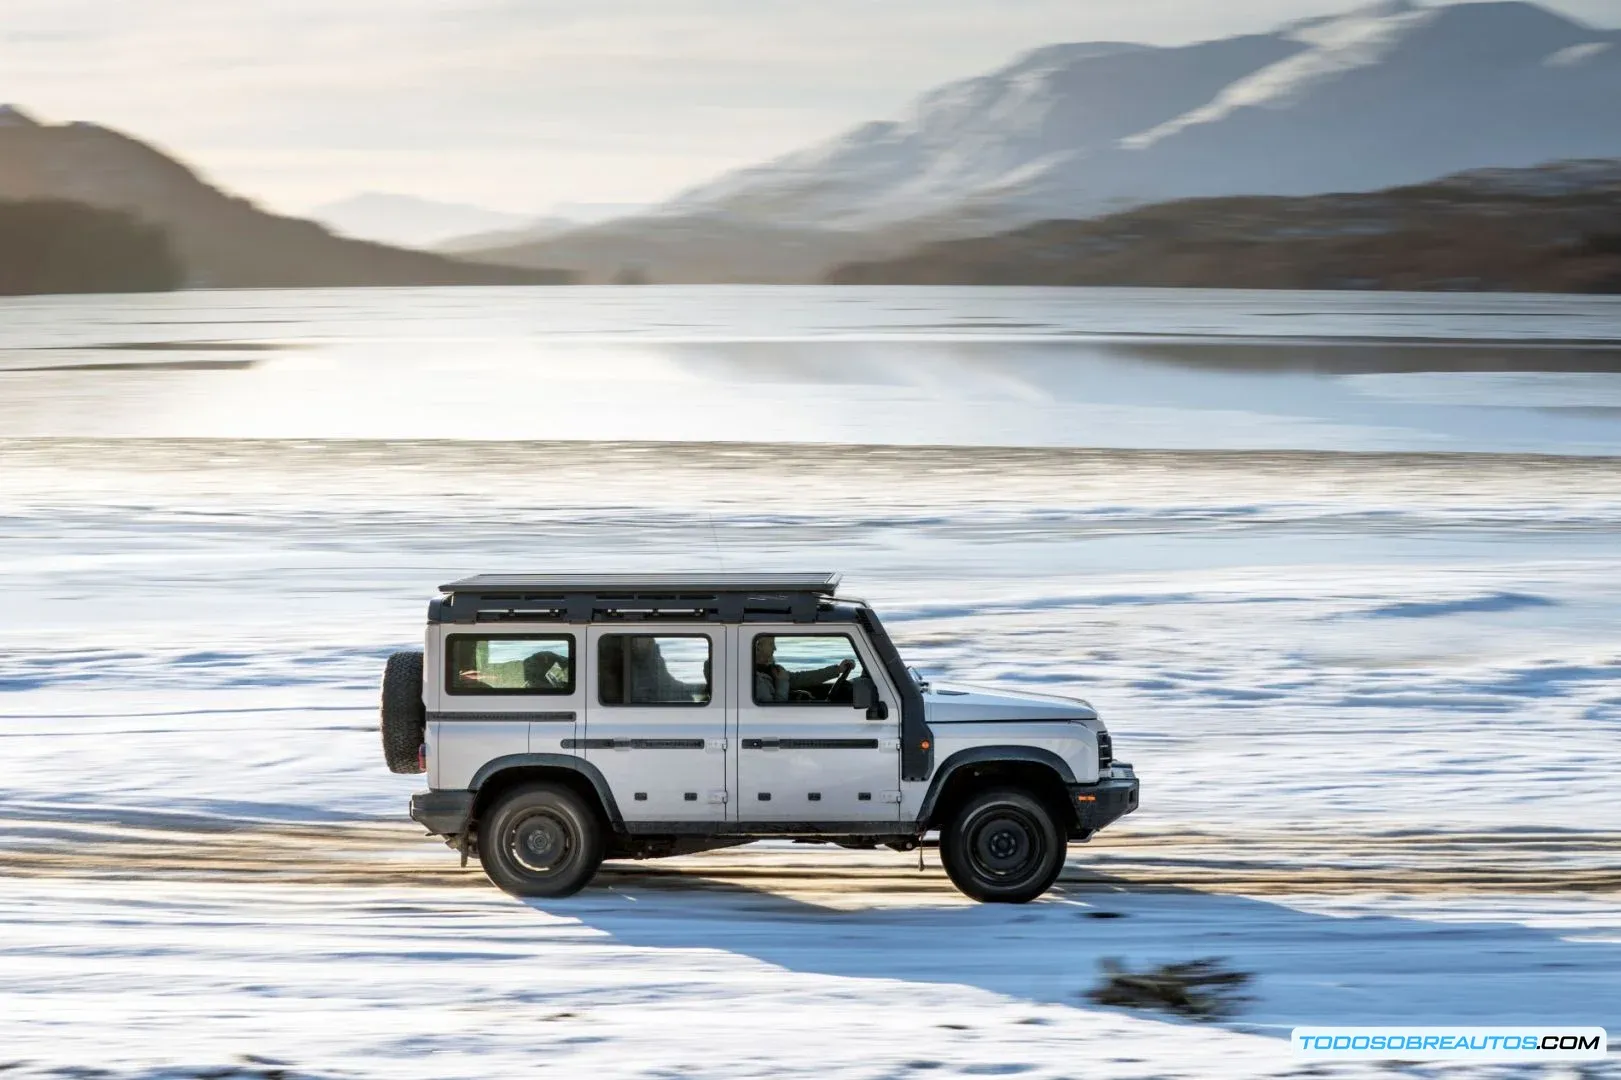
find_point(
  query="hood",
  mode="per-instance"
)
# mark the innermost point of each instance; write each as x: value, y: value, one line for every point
x: 948, y: 703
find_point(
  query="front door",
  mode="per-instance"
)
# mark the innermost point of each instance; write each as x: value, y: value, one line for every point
x: 805, y: 753
x: 655, y: 721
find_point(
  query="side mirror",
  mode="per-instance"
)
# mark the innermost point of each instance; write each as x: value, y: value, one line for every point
x: 864, y: 695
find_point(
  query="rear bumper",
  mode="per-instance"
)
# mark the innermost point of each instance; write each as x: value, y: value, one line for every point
x: 1096, y: 805
x: 443, y: 813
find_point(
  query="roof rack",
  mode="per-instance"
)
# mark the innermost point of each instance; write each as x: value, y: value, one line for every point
x: 582, y: 598
x: 643, y: 584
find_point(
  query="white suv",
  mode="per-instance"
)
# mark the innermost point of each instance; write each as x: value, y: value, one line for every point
x: 564, y: 719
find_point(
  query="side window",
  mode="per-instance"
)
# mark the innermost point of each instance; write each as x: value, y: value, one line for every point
x: 509, y: 664
x: 654, y: 669
x: 805, y: 669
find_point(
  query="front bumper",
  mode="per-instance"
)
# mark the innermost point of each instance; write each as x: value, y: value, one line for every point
x: 1096, y: 805
x: 443, y: 813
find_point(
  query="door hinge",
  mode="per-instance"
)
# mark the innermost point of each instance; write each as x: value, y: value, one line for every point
x: 889, y: 796
x: 717, y: 796
x: 889, y: 744
x: 714, y: 744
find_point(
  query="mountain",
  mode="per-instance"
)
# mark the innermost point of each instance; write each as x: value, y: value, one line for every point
x: 532, y: 231
x: 408, y: 221
x: 1556, y: 228
x: 221, y: 241
x: 50, y: 246
x: 1378, y: 97
x: 564, y: 217
x: 697, y: 250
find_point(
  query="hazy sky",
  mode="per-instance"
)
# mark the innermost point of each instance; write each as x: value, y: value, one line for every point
x: 519, y: 104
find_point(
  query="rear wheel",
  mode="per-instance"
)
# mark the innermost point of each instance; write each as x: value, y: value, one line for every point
x: 540, y: 840
x: 1002, y: 847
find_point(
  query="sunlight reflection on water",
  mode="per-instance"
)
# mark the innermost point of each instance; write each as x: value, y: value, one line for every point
x: 1014, y: 367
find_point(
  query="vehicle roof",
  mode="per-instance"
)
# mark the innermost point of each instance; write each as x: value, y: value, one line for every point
x: 821, y: 584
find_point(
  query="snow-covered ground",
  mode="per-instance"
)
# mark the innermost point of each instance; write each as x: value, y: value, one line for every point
x: 1374, y: 700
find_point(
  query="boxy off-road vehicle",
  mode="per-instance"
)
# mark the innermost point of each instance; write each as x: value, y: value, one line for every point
x: 565, y: 719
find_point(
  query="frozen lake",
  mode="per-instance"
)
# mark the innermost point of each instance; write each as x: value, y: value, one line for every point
x: 1012, y: 367
x: 1372, y: 683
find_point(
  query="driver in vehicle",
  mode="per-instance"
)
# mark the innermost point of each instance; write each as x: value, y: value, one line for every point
x: 773, y: 682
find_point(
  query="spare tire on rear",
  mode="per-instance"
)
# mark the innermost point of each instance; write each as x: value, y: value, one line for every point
x: 403, y: 721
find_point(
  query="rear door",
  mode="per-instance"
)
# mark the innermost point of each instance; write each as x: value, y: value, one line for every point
x: 655, y: 725
x: 804, y: 752
x: 500, y: 693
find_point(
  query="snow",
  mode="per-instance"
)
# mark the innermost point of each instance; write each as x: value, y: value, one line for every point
x: 1372, y: 697
x: 1576, y: 55
x: 1375, y: 722
x: 1360, y: 39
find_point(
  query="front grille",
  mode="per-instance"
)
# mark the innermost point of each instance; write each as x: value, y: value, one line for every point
x: 1105, y: 750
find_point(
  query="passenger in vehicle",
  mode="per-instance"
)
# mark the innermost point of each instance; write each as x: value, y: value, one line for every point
x: 650, y: 679
x: 773, y: 682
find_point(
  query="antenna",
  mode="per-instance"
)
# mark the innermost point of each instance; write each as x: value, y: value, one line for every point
x: 714, y: 536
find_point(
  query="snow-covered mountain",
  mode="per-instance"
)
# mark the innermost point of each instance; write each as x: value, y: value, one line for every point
x: 1380, y: 96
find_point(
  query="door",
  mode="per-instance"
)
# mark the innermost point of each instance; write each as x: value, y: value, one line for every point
x: 805, y: 753
x: 498, y: 694
x: 655, y: 722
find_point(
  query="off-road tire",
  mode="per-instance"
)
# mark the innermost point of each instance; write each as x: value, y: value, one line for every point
x: 540, y: 840
x: 403, y: 721
x: 1002, y: 847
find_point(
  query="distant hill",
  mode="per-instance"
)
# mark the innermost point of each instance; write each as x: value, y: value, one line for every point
x: 221, y: 241
x: 51, y: 246
x: 696, y: 251
x: 410, y: 221
x: 1383, y: 95
x: 1555, y: 228
x: 532, y: 231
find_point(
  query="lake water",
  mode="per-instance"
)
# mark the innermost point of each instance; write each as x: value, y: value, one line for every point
x: 1122, y: 368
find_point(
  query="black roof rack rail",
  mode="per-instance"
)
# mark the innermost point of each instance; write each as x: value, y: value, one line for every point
x: 643, y: 584
x: 581, y: 598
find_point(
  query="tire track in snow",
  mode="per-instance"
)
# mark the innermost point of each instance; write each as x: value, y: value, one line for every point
x: 1255, y: 863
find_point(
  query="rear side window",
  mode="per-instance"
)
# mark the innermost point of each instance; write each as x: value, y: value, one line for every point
x: 654, y: 669
x: 509, y: 664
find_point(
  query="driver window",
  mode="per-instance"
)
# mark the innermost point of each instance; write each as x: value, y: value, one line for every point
x: 805, y: 669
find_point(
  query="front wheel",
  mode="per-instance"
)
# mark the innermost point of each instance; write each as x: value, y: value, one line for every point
x: 540, y: 840
x: 1002, y: 847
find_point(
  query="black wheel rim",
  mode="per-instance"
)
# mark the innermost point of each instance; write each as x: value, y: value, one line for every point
x: 540, y: 843
x: 1004, y: 846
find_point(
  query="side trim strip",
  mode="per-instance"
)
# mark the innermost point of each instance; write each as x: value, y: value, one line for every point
x: 633, y: 744
x: 515, y: 717
x: 897, y: 830
x: 809, y: 744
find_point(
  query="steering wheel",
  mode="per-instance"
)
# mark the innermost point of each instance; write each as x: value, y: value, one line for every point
x: 838, y: 683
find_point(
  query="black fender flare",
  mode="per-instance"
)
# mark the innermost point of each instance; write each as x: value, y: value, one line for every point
x: 985, y: 755
x: 495, y: 766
